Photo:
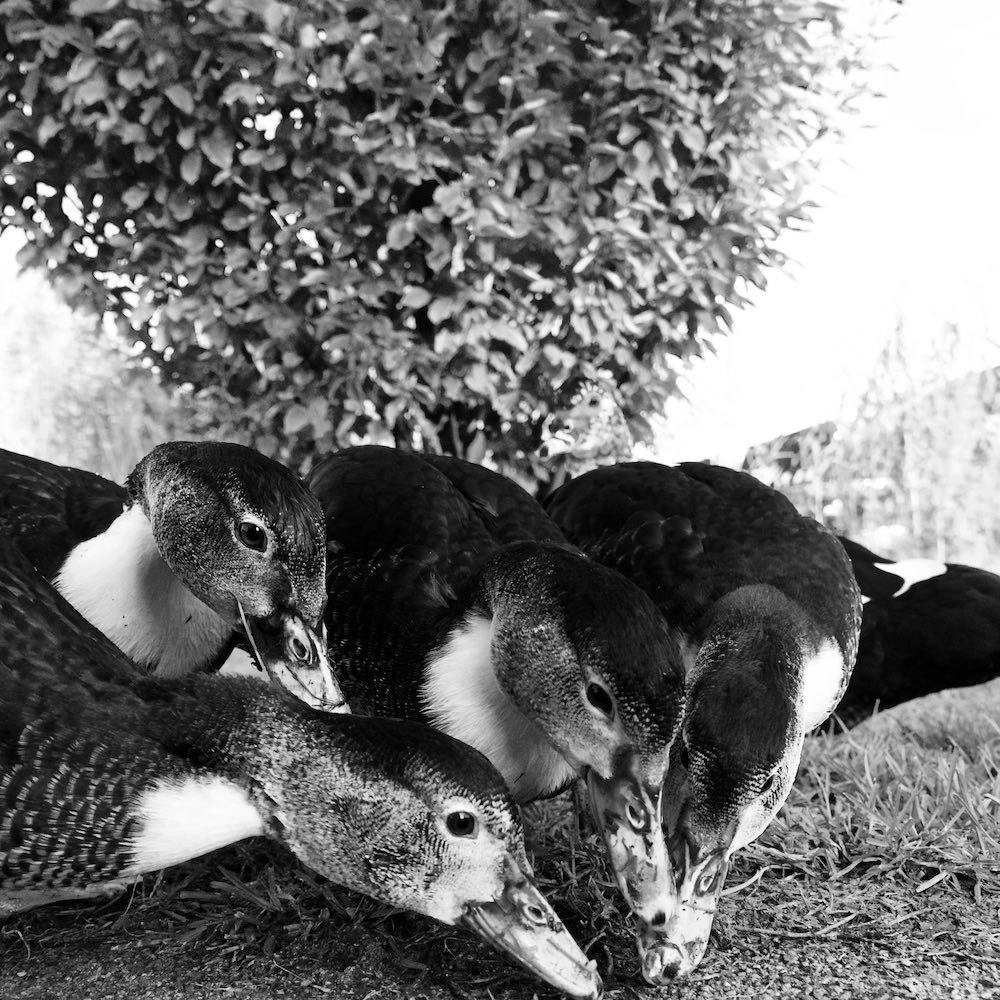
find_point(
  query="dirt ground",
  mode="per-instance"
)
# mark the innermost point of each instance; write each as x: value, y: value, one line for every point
x: 141, y: 951
x: 88, y: 967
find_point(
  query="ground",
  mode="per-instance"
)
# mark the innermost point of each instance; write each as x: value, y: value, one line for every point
x: 880, y: 879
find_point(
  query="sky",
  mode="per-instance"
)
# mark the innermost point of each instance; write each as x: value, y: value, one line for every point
x: 908, y: 230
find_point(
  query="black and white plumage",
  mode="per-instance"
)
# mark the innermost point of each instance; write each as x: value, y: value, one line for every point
x: 766, y: 609
x: 106, y: 773
x: 453, y: 598
x: 926, y: 626
x: 206, y: 543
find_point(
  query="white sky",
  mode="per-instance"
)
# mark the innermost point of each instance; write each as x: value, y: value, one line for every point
x: 908, y: 228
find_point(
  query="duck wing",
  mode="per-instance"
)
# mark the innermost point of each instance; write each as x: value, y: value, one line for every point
x: 49, y: 509
x: 508, y: 512
x: 404, y: 548
x: 691, y: 533
x: 942, y: 632
x: 80, y: 731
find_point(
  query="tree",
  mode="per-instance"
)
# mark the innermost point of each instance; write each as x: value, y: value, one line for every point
x: 912, y: 466
x: 406, y: 220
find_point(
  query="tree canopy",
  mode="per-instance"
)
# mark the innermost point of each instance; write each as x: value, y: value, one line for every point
x: 407, y: 220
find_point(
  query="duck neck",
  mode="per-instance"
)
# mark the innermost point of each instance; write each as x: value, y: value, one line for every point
x: 770, y: 629
x: 120, y: 583
x: 461, y: 696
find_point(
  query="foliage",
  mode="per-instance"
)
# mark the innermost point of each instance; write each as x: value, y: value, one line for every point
x: 406, y: 220
x: 912, y: 468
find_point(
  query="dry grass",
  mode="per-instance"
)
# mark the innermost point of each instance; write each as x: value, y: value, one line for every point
x: 888, y: 846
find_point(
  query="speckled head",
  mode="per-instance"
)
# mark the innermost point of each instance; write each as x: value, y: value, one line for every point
x: 247, y: 538
x: 410, y: 816
x: 742, y: 739
x: 586, y: 655
x: 587, y: 422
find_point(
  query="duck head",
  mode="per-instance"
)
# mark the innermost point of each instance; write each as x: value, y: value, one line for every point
x: 743, y: 731
x: 409, y: 816
x: 587, y: 422
x: 246, y: 537
x: 568, y: 669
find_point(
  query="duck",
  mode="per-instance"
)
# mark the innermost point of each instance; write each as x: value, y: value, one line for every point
x: 454, y: 600
x: 918, y: 614
x: 206, y: 546
x: 107, y: 774
x: 766, y: 610
x: 585, y: 427
x: 926, y: 626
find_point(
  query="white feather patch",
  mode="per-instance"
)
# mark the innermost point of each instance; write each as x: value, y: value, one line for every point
x: 183, y: 819
x: 822, y: 681
x: 461, y: 695
x: 913, y: 571
x: 119, y: 582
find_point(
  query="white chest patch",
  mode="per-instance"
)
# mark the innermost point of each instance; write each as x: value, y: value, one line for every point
x: 119, y: 582
x: 183, y: 819
x: 913, y: 571
x: 461, y: 695
x: 822, y: 684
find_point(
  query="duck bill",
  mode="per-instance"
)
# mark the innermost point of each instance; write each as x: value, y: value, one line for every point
x: 295, y: 658
x: 558, y: 442
x: 674, y: 949
x: 628, y: 812
x: 522, y: 924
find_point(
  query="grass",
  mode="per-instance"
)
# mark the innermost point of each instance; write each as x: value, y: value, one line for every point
x: 886, y: 854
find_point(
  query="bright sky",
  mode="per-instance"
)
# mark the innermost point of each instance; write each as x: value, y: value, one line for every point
x: 908, y: 228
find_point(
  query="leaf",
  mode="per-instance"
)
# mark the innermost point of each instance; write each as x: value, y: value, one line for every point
x: 180, y: 97
x: 90, y: 92
x: 477, y: 380
x: 83, y: 8
x: 120, y: 35
x: 296, y: 419
x: 82, y: 68
x: 241, y: 91
x: 48, y: 128
x: 129, y: 78
x: 400, y: 234
x: 191, y: 167
x: 415, y: 298
x: 440, y: 309
x: 219, y: 148
x: 135, y: 196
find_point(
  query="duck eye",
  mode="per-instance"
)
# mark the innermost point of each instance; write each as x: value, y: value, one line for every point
x: 252, y: 535
x: 768, y: 784
x: 462, y: 824
x: 684, y: 756
x: 706, y: 882
x: 600, y: 699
